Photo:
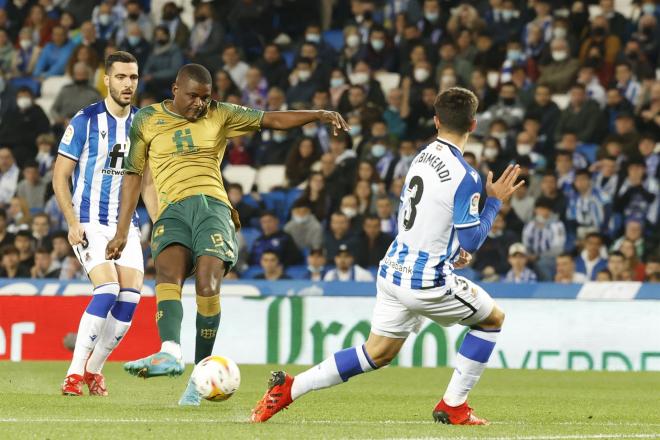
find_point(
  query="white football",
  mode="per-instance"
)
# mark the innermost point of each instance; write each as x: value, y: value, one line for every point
x: 216, y: 378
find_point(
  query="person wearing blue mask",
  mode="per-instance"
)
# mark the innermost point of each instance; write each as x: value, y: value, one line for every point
x: 136, y: 44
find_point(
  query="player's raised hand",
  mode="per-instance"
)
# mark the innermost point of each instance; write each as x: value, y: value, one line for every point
x: 115, y: 247
x: 505, y: 186
x: 335, y: 119
x: 76, y: 234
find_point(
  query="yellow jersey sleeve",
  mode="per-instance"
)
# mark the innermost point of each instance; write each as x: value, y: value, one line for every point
x: 137, y: 153
x: 237, y: 120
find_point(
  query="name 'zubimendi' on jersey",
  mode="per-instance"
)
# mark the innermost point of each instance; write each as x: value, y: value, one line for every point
x: 439, y: 227
x: 440, y: 195
x: 91, y: 155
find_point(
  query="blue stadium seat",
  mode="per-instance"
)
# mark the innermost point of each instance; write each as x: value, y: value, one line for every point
x: 335, y: 38
x: 298, y: 272
x: 250, y: 235
x: 276, y: 201
x: 588, y: 150
x: 289, y: 56
x: 251, y: 272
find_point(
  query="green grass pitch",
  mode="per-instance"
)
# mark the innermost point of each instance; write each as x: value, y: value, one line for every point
x: 393, y: 403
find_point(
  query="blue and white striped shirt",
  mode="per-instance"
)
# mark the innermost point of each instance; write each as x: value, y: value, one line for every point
x: 440, y: 195
x: 588, y: 209
x: 98, y: 142
x: 544, y: 240
x: 526, y: 276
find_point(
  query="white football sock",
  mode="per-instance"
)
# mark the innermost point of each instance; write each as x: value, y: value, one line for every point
x: 91, y: 325
x: 471, y: 361
x: 334, y: 370
x: 172, y: 348
x: 117, y: 324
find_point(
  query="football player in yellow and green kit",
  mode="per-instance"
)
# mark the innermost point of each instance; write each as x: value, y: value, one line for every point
x: 184, y: 140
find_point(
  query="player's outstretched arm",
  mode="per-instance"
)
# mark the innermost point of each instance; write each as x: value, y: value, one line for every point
x: 61, y: 176
x: 283, y: 120
x: 130, y: 191
x: 472, y: 238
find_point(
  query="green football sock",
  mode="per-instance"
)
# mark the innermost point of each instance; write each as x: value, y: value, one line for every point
x: 207, y: 322
x: 170, y: 312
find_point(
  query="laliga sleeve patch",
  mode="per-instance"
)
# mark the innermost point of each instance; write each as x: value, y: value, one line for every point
x: 68, y: 135
x: 474, y: 204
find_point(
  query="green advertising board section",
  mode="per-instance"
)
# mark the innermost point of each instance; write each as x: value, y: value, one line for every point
x: 538, y: 334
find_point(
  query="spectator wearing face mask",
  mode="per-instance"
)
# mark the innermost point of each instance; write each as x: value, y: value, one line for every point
x: 19, y: 129
x: 177, y: 29
x: 75, y: 96
x: 379, y: 53
x: 26, y: 56
x: 508, y: 109
x: 163, y: 63
x: 303, y: 227
x: 136, y: 43
x: 561, y: 72
x: 206, y: 38
x: 608, y: 43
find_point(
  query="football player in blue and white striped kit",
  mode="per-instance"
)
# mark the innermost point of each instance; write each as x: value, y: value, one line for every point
x: 91, y: 153
x: 439, y: 227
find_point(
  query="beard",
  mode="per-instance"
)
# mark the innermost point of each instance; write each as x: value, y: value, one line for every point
x: 118, y: 98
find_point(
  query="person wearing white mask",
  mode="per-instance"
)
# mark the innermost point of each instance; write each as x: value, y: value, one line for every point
x: 351, y: 47
x: 27, y: 54
x: 19, y: 128
x: 379, y: 54
x: 305, y: 229
x: 314, y: 35
x: 560, y: 74
x: 433, y: 22
x: 303, y: 84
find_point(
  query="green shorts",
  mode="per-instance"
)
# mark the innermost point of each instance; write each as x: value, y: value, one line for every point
x: 202, y: 224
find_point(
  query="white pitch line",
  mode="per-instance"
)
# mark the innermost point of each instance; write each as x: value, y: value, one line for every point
x: 312, y: 421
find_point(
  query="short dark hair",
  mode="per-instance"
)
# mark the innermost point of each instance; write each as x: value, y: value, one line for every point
x: 60, y: 234
x: 594, y: 234
x: 162, y: 28
x: 270, y: 251
x: 8, y: 249
x: 583, y: 172
x: 42, y: 250
x: 234, y: 186
x: 542, y: 202
x: 118, y: 57
x: 455, y: 108
x: 196, y: 72
x: 268, y: 214
x: 23, y: 233
x: 617, y: 254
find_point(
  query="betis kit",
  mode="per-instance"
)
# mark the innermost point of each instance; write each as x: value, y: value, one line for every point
x: 184, y: 158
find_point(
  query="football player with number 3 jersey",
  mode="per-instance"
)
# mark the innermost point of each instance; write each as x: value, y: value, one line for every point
x: 90, y: 156
x: 440, y: 226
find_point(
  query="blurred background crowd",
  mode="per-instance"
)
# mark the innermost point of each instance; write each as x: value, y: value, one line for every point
x: 567, y: 89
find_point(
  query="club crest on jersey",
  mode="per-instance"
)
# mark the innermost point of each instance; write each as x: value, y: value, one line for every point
x: 474, y: 204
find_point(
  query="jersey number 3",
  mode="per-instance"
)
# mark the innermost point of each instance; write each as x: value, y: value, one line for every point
x: 416, y: 188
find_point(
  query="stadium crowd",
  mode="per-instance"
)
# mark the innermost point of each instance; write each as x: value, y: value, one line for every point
x: 568, y: 90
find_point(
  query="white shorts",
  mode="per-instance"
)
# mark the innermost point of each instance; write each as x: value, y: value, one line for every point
x: 400, y: 310
x: 98, y: 237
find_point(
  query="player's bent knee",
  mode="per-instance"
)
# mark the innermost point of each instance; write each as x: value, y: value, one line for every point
x: 105, y: 296
x: 382, y: 350
x: 495, y: 319
x: 207, y: 289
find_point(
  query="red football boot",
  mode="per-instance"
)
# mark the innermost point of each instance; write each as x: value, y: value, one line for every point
x: 72, y: 385
x: 456, y: 415
x: 95, y: 383
x: 277, y: 398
